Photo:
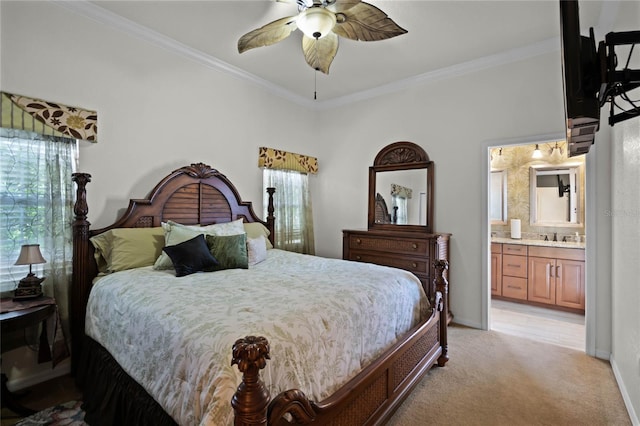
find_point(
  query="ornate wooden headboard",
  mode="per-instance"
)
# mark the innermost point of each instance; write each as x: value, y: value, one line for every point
x: 195, y: 194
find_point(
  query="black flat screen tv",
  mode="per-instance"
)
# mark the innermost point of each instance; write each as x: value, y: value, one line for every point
x: 581, y: 78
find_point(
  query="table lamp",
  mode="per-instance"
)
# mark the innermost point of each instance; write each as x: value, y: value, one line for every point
x: 29, y: 286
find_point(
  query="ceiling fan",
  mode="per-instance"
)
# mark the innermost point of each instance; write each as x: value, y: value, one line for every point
x: 322, y: 21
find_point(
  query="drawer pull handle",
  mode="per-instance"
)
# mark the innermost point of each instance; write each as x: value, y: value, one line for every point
x: 415, y: 246
x: 414, y: 264
x: 511, y: 265
x: 512, y: 286
x: 358, y: 241
x: 358, y: 258
x: 557, y: 272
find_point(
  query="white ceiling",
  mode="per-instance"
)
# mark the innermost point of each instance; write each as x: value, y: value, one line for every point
x: 444, y: 38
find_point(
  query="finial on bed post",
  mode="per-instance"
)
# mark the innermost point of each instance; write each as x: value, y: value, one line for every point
x: 442, y: 286
x: 79, y: 286
x: 252, y: 397
x: 271, y: 220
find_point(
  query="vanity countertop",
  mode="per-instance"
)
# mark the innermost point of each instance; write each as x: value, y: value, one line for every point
x: 564, y: 244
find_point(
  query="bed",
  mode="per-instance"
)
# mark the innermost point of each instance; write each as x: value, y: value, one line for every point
x: 234, y: 379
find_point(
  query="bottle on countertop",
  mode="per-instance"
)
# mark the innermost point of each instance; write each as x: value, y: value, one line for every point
x: 577, y: 238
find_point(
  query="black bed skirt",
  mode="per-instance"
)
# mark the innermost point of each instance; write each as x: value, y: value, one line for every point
x: 110, y: 396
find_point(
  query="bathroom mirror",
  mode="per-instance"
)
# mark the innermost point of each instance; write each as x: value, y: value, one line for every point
x: 555, y: 196
x: 401, y: 181
x: 498, y: 197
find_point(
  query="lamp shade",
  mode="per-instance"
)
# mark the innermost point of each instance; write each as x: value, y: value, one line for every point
x: 316, y: 22
x: 537, y: 154
x: 30, y: 255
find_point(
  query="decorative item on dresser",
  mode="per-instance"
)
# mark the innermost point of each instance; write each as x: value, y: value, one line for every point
x: 412, y: 246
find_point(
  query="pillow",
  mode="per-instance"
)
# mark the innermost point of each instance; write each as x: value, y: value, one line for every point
x: 191, y: 256
x: 176, y: 233
x: 255, y: 229
x: 229, y: 250
x: 256, y: 250
x: 126, y: 248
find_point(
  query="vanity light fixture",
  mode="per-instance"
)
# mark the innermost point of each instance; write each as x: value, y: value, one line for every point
x: 498, y: 161
x: 537, y: 154
x: 556, y: 153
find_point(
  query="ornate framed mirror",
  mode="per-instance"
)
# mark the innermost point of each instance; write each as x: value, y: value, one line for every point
x: 401, y: 179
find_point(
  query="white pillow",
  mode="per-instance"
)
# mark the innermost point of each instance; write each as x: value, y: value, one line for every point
x: 176, y: 233
x: 257, y: 250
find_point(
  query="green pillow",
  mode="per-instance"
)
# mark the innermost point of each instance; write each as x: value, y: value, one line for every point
x: 127, y: 248
x: 229, y: 250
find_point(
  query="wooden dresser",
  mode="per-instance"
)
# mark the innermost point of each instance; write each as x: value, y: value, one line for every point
x: 412, y: 251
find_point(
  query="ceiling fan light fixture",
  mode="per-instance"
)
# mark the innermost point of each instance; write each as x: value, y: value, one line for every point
x: 316, y: 22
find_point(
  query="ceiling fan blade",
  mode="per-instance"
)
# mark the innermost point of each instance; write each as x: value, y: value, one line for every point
x: 367, y: 23
x: 342, y: 5
x: 320, y: 53
x: 267, y: 35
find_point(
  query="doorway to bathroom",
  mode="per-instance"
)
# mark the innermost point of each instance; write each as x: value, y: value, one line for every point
x: 537, y: 243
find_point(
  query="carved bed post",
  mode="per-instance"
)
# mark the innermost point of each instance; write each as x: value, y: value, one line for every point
x: 252, y: 397
x: 271, y: 220
x: 442, y: 286
x: 79, y: 286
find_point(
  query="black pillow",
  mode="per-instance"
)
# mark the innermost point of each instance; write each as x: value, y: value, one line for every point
x: 191, y: 256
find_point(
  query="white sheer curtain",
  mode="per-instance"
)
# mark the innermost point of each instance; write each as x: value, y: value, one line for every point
x: 36, y: 207
x: 401, y: 203
x: 293, y: 212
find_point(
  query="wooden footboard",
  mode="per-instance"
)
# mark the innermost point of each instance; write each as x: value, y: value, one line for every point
x: 369, y: 398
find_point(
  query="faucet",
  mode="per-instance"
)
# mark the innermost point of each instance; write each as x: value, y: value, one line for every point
x: 555, y: 236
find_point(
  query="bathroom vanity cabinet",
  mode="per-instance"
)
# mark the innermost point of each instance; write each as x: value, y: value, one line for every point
x: 539, y: 275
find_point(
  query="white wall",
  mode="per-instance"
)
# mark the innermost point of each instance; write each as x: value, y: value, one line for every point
x: 625, y: 217
x: 158, y: 111
x: 450, y: 120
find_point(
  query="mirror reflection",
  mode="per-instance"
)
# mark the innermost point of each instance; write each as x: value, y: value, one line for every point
x: 498, y: 197
x: 555, y: 196
x: 403, y: 193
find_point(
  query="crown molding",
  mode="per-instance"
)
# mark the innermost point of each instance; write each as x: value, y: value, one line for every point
x: 106, y: 17
x: 99, y: 14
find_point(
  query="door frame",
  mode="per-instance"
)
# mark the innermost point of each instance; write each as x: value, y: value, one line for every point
x: 590, y: 290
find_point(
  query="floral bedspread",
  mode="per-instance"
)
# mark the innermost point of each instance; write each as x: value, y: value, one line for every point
x: 325, y: 320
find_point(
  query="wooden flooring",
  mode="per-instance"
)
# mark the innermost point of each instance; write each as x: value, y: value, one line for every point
x: 544, y: 325
x: 43, y: 395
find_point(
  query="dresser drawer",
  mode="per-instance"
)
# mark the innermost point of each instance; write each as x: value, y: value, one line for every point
x: 389, y: 245
x: 516, y: 249
x: 514, y: 287
x: 417, y: 266
x: 514, y: 266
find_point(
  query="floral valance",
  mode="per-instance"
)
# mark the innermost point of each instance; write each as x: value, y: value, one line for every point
x: 36, y: 115
x: 283, y: 160
x: 401, y: 191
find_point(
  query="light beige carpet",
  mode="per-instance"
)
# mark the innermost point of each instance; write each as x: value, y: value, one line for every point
x: 498, y: 379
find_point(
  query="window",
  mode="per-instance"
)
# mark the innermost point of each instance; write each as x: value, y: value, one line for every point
x: 36, y: 206
x: 293, y: 213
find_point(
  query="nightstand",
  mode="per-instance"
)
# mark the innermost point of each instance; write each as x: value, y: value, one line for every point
x: 21, y: 315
